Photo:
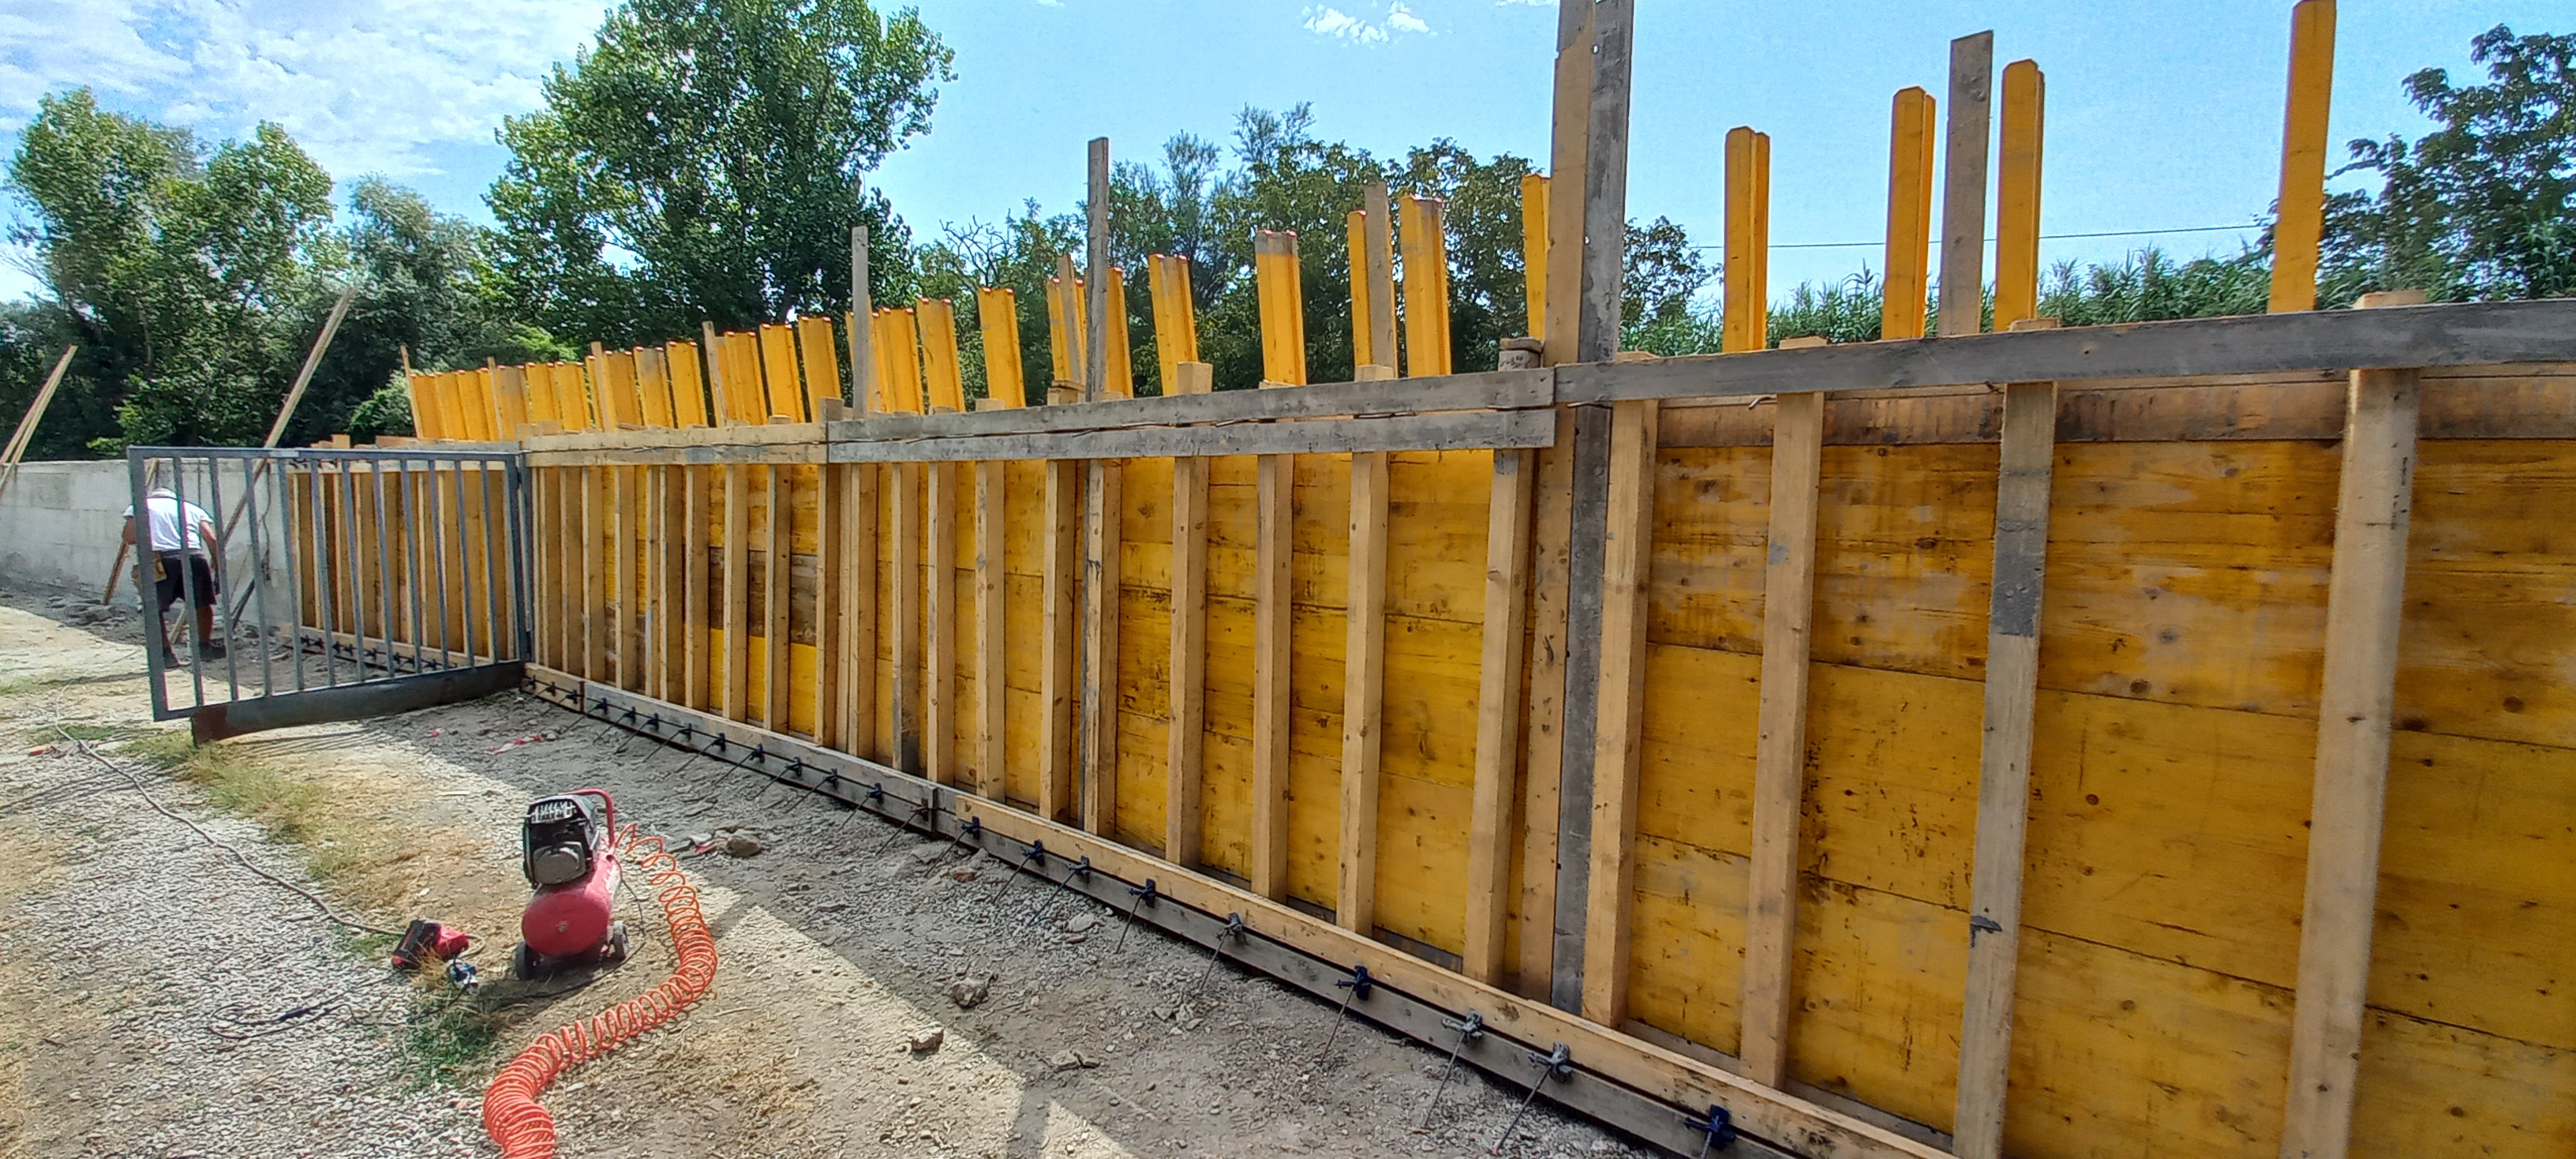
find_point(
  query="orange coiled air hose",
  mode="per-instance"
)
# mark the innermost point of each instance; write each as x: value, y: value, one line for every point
x: 511, y: 1113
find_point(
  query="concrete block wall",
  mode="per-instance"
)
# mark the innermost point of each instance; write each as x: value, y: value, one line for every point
x: 59, y: 526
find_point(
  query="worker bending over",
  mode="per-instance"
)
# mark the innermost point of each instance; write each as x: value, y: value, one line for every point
x: 180, y: 531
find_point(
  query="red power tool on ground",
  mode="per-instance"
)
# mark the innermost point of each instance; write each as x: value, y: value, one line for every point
x: 568, y: 849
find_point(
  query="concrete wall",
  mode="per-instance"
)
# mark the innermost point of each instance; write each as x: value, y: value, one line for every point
x: 59, y: 524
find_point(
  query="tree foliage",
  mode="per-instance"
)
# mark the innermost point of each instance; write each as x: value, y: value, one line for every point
x: 702, y: 162
x: 2480, y: 207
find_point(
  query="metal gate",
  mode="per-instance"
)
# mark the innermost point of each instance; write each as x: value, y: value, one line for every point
x: 298, y: 586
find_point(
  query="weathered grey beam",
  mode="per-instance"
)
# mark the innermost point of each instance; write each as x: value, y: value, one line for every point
x: 1493, y: 390
x: 2468, y: 334
x: 1431, y: 432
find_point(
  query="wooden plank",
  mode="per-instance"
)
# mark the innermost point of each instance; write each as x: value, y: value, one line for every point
x: 1062, y: 545
x: 858, y: 658
x: 1377, y: 237
x: 1543, y: 740
x: 1485, y: 390
x: 2365, y: 606
x: 898, y: 353
x: 1102, y: 505
x: 697, y: 501
x: 1355, y: 227
x: 653, y: 383
x: 1176, y: 333
x: 786, y: 394
x: 779, y: 554
x: 670, y: 553
x: 1272, y: 653
x: 2017, y: 194
x: 1471, y: 430
x: 628, y: 562
x: 814, y: 346
x: 1426, y: 289
x: 1748, y: 209
x: 1183, y: 810
x: 1534, y: 250
x: 1121, y: 382
x: 1569, y: 137
x: 1780, y: 760
x: 720, y: 387
x: 1911, y: 133
x: 596, y: 539
x: 2299, y: 228
x: 2003, y: 772
x: 941, y: 374
x: 831, y: 593
x: 737, y: 594
x: 939, y: 610
x: 1605, y: 183
x: 1363, y: 695
x: 1096, y: 323
x: 1625, y: 563
x: 1963, y: 189
x: 2460, y: 334
x: 992, y: 659
x: 1498, y: 708
x: 688, y: 391
x: 860, y: 319
x: 904, y: 605
x: 999, y: 313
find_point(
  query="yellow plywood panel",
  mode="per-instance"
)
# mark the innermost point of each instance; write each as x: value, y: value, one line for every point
x: 786, y: 393
x: 2491, y: 593
x: 817, y: 350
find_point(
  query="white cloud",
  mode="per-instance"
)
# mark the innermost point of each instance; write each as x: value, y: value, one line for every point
x: 367, y: 86
x: 1334, y: 24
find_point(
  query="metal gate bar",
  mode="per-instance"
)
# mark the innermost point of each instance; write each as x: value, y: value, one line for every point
x: 320, y: 556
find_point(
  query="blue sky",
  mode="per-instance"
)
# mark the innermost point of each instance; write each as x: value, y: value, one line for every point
x: 2161, y: 115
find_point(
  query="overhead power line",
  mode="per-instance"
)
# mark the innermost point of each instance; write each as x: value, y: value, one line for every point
x: 1829, y: 245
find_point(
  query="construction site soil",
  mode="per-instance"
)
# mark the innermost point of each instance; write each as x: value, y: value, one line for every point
x: 159, y: 1000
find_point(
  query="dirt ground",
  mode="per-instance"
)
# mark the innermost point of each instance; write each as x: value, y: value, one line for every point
x: 129, y: 948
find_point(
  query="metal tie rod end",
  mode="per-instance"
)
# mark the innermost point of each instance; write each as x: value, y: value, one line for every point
x: 1359, y: 984
x: 1234, y: 928
x: 1719, y: 1126
x: 1143, y: 894
x: 1469, y: 1028
x: 1557, y: 1064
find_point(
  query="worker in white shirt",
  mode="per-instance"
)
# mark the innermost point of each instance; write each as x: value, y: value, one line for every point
x: 179, y: 533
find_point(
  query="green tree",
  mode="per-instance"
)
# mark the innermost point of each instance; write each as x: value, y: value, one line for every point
x: 2480, y: 207
x: 177, y: 269
x: 702, y: 162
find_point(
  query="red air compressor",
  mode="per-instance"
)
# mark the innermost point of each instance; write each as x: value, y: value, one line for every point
x: 568, y: 849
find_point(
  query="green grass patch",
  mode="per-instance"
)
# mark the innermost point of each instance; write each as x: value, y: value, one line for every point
x: 451, y: 1031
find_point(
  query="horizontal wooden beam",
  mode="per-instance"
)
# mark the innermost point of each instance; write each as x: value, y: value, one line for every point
x: 1493, y: 390
x: 1658, y: 1073
x: 1430, y: 432
x: 2469, y: 334
x: 714, y: 454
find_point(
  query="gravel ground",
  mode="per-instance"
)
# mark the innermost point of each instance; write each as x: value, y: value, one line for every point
x: 840, y: 938
x: 140, y: 964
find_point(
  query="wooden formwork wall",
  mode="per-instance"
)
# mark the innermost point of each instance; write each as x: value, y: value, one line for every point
x: 2191, y: 532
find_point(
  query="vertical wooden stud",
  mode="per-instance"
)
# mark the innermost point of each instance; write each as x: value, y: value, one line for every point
x: 863, y: 366
x: 1910, y: 136
x: 992, y: 659
x: 1625, y: 560
x: 1780, y: 746
x: 1187, y: 682
x: 628, y: 560
x: 1426, y: 288
x: 776, y: 598
x: 1747, y: 306
x: 858, y: 658
x: 2017, y: 194
x: 1498, y: 707
x: 698, y: 508
x: 737, y: 593
x: 1363, y: 694
x: 939, y: 610
x: 2365, y: 611
x: 1534, y: 250
x: 831, y: 590
x: 1963, y: 190
x: 905, y: 592
x: 2300, y: 228
x: 1102, y: 503
x: 1062, y: 546
x: 2003, y: 770
x: 1543, y: 759
x: 597, y: 537
x: 1283, y: 364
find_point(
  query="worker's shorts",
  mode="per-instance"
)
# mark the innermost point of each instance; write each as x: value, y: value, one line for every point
x: 171, y: 586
